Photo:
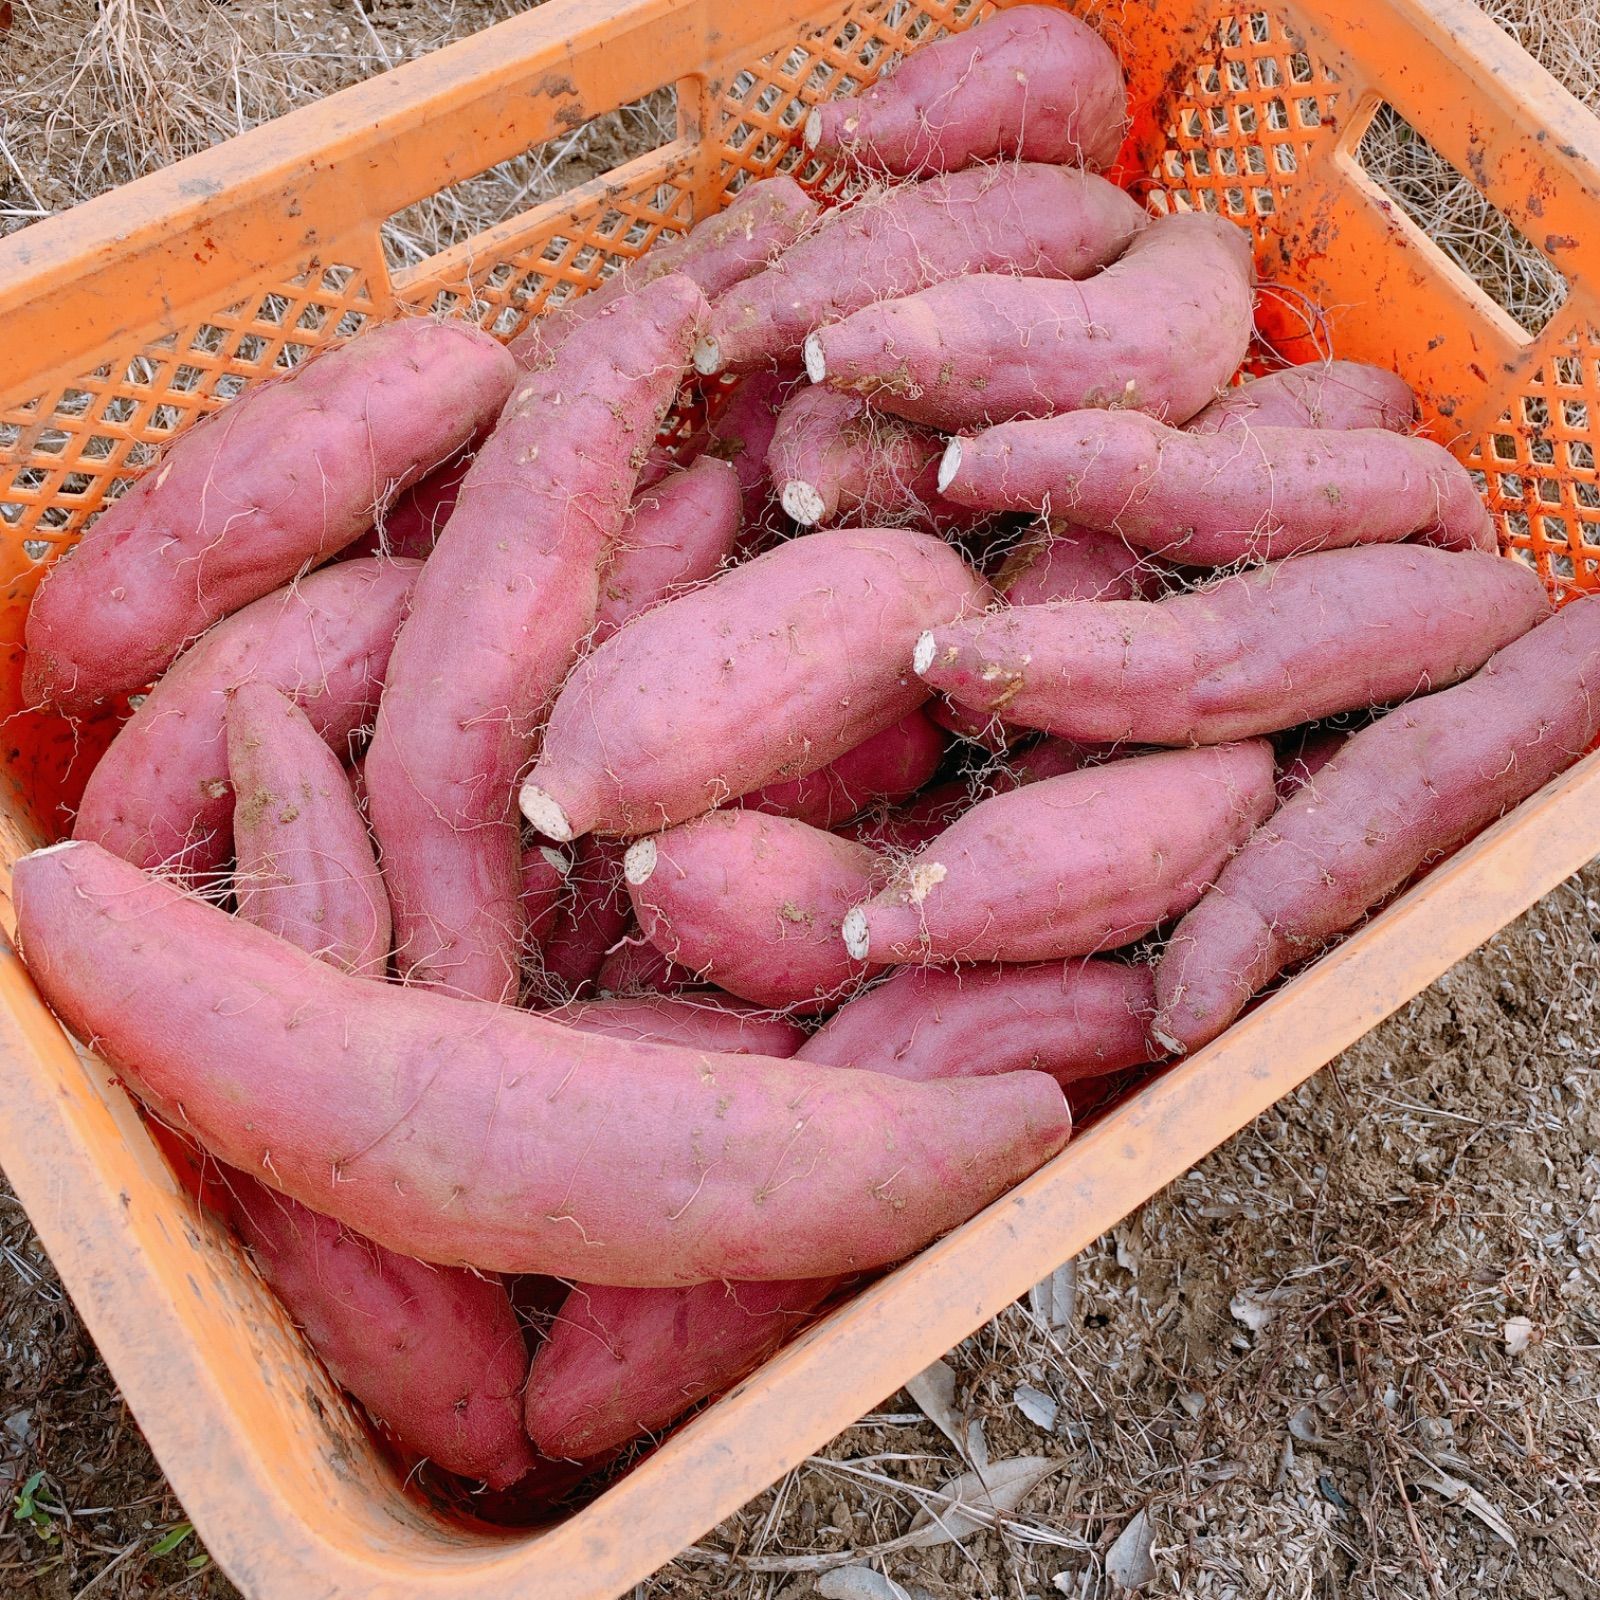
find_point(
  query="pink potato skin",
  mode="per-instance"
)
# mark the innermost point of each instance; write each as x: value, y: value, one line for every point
x: 412, y: 525
x: 1214, y: 499
x: 304, y: 864
x: 889, y: 767
x: 592, y: 915
x: 678, y: 532
x: 704, y: 1021
x: 754, y: 904
x: 741, y: 435
x: 544, y: 881
x: 500, y: 612
x: 281, y: 479
x: 1073, y: 1019
x: 1303, y: 755
x: 160, y: 796
x: 1255, y: 652
x: 1031, y: 82
x: 636, y: 967
x: 1036, y: 220
x: 762, y: 220
x: 467, y: 1133
x: 1160, y: 330
x: 771, y: 670
x: 1322, y: 394
x: 1065, y: 562
x: 1405, y: 791
x: 1071, y: 865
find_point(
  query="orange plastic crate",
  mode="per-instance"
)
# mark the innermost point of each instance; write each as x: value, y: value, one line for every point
x: 130, y: 316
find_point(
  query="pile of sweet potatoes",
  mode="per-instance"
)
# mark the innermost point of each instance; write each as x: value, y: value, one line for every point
x: 660, y: 888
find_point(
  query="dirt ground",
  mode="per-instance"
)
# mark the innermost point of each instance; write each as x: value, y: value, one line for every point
x: 1355, y: 1353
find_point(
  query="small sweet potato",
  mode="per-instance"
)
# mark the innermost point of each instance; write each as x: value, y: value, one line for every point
x: 1160, y: 330
x: 283, y: 478
x: 1062, y: 561
x: 1031, y: 82
x: 544, y: 881
x: 768, y: 672
x: 1213, y: 499
x: 1251, y: 653
x: 1073, y: 1019
x: 475, y: 1134
x: 160, y: 795
x: 741, y: 434
x: 590, y: 917
x: 754, y: 904
x: 1400, y: 793
x: 636, y: 967
x: 304, y: 864
x: 1072, y: 865
x: 1322, y: 394
x: 702, y: 1021
x: 1036, y: 220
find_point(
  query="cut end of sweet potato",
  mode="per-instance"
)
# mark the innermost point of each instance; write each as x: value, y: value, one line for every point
x: 857, y: 940
x: 813, y: 133
x: 816, y: 362
x: 707, y: 355
x: 639, y: 862
x: 949, y: 464
x: 801, y: 501
x: 922, y: 656
x: 546, y: 814
x: 53, y: 849
x: 558, y: 861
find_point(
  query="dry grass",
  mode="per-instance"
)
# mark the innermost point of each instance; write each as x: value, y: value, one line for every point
x: 1304, y: 1361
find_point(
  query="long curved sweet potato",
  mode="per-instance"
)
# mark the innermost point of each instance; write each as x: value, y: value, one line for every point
x: 500, y: 611
x: 1321, y: 394
x: 1071, y: 865
x: 1160, y: 330
x: 281, y: 479
x: 754, y: 904
x: 304, y: 864
x: 770, y: 671
x: 1028, y: 218
x: 476, y: 1134
x: 1032, y: 81
x: 1213, y: 499
x: 703, y: 1021
x: 1252, y: 653
x: 1402, y: 792
x: 160, y: 795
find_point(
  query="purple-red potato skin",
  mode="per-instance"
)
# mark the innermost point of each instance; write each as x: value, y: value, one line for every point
x: 1406, y: 790
x: 500, y: 612
x: 1071, y: 563
x: 1213, y: 499
x: 678, y: 532
x: 1255, y: 652
x: 1036, y: 220
x: 762, y: 220
x: 1073, y: 1019
x: 434, y: 1353
x: 304, y: 863
x: 771, y: 670
x: 1031, y: 82
x: 755, y: 904
x: 636, y: 967
x: 887, y: 768
x: 702, y: 1021
x: 621, y: 1362
x: 476, y: 1134
x: 593, y: 914
x: 281, y: 479
x: 412, y: 525
x: 1304, y: 756
x: 544, y: 882
x: 1160, y: 330
x: 741, y: 435
x: 1322, y: 394
x: 1073, y: 865
x: 160, y: 795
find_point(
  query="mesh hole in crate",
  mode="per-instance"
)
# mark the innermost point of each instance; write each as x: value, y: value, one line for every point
x: 1455, y: 214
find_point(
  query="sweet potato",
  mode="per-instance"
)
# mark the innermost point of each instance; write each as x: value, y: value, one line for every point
x: 763, y: 219
x: 1251, y: 653
x: 889, y: 767
x: 544, y: 881
x: 1072, y: 865
x: 635, y: 967
x: 1213, y: 499
x: 1031, y: 82
x: 768, y: 672
x: 1065, y: 562
x: 741, y: 434
x: 754, y: 905
x: 1402, y: 792
x: 412, y: 524
x: 592, y: 915
x: 305, y: 868
x: 1303, y: 755
x: 1322, y: 394
x: 1073, y: 1019
x: 704, y: 1021
x: 160, y: 795
x: 1040, y: 221
x: 499, y: 614
x: 276, y: 482
x: 475, y: 1134
x: 1160, y: 330
x: 677, y: 533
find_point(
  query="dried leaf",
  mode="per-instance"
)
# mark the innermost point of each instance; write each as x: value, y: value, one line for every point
x: 1036, y: 1406
x: 1055, y: 1301
x: 971, y: 1501
x: 1464, y: 1495
x: 977, y: 1451
x: 1303, y: 1425
x: 859, y: 1583
x: 1129, y: 1561
x: 1518, y: 1332
x: 934, y: 1390
x: 1251, y: 1312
